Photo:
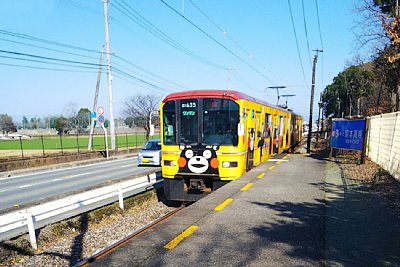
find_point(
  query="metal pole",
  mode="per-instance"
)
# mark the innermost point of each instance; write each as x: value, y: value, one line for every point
x: 77, y: 140
x: 126, y: 138
x: 20, y: 144
x: 62, y: 150
x: 312, y: 101
x: 44, y: 155
x: 96, y: 95
x: 107, y: 40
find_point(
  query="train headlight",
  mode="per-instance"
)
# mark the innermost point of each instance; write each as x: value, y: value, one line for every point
x: 229, y: 164
x: 169, y: 163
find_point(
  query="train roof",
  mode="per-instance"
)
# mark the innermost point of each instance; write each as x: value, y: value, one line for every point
x: 229, y: 94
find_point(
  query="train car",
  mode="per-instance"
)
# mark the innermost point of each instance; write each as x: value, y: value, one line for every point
x: 211, y: 137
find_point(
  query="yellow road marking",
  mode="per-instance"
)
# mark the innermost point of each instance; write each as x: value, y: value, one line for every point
x: 223, y: 204
x: 246, y: 187
x: 261, y: 175
x: 279, y: 162
x: 285, y: 157
x: 174, y: 242
x: 16, y: 205
x: 271, y: 168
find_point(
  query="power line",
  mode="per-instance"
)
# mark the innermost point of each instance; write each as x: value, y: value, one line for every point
x: 48, y: 58
x: 28, y: 37
x: 306, y: 32
x: 136, y: 17
x: 297, y: 43
x: 319, y: 24
x: 216, y: 41
x: 43, y: 68
x: 46, y: 48
x: 229, y: 37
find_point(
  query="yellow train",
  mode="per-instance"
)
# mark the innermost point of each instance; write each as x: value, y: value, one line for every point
x: 211, y: 137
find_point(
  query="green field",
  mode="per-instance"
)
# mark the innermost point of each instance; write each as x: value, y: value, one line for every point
x: 73, y: 142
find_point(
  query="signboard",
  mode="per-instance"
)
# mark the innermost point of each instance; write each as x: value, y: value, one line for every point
x: 100, y: 110
x: 101, y: 119
x: 348, y: 134
x: 93, y: 114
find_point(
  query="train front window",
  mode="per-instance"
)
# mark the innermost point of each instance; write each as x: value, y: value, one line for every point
x: 220, y: 122
x: 169, y: 123
x: 189, y: 125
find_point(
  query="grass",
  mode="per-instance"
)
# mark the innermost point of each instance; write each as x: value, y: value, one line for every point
x: 72, y: 142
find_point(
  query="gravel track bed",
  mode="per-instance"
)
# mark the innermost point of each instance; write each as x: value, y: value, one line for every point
x: 68, y: 242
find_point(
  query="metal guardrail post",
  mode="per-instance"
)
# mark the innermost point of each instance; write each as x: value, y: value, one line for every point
x: 120, y: 197
x: 44, y: 155
x: 31, y: 229
x: 77, y: 140
x: 126, y: 138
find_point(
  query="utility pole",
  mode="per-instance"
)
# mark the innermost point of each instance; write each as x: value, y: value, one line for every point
x: 107, y: 39
x: 96, y: 96
x: 277, y: 90
x: 312, y: 100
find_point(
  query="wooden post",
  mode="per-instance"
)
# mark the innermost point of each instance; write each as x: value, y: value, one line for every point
x: 364, y: 149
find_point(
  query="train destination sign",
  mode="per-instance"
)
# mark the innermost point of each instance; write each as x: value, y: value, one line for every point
x: 348, y: 134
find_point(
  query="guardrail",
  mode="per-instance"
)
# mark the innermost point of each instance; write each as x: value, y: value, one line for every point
x: 27, y: 220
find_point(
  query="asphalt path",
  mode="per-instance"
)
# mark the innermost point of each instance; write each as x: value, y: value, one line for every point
x: 35, y: 187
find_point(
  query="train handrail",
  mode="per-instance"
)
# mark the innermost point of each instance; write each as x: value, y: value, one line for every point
x: 27, y: 220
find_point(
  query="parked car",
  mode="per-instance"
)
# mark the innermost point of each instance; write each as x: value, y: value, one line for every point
x: 150, y: 154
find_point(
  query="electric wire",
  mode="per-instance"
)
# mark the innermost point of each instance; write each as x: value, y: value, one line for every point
x: 49, y: 58
x: 44, y: 68
x: 229, y: 37
x: 32, y: 38
x: 136, y: 17
x: 28, y: 37
x: 319, y: 24
x: 306, y: 32
x: 216, y: 41
x: 297, y: 43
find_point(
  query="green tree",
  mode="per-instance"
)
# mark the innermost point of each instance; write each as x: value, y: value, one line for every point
x: 130, y: 121
x: 61, y: 124
x: 82, y: 119
x: 6, y: 124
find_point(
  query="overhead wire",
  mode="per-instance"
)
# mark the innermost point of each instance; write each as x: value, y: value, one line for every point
x: 306, y: 32
x: 297, y: 43
x: 224, y: 32
x: 216, y: 41
x: 44, y: 68
x: 136, y: 17
x: 49, y: 42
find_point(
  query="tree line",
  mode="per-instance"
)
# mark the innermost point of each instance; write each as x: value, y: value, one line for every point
x: 137, y: 110
x: 373, y: 87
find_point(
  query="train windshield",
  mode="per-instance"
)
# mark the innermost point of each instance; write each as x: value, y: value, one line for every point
x: 220, y: 122
x: 210, y: 121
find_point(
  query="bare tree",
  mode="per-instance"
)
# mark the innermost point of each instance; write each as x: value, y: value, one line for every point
x: 140, y: 107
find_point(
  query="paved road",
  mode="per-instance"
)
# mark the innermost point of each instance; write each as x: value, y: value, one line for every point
x: 28, y: 188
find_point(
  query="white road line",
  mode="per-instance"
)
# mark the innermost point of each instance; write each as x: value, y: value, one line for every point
x: 277, y: 160
x: 71, y: 168
x: 24, y: 186
x: 58, y: 179
x: 1, y: 191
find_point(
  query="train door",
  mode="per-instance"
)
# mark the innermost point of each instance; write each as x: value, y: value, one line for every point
x: 251, y: 136
x: 257, y: 139
x: 267, y: 132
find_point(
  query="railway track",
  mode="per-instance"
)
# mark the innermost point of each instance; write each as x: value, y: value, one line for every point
x: 131, y: 237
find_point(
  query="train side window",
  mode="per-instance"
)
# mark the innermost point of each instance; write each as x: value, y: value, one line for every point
x: 169, y: 122
x: 268, y: 125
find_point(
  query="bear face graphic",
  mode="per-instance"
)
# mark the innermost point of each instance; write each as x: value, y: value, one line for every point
x: 198, y: 159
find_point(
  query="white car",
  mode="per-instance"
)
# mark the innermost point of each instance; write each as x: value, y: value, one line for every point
x: 150, y: 154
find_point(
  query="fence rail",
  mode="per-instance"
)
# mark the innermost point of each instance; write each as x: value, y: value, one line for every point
x: 27, y: 220
x: 23, y: 147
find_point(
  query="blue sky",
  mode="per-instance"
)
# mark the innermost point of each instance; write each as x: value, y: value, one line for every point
x: 257, y: 43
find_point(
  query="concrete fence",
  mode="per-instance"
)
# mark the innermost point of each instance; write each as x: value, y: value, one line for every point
x: 383, y: 143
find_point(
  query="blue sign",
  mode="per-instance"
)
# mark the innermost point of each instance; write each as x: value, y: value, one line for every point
x: 101, y: 119
x: 93, y: 114
x: 348, y: 134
